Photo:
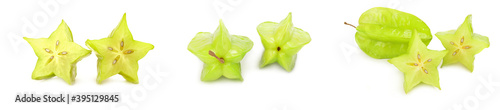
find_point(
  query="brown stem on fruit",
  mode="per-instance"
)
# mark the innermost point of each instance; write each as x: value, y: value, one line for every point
x: 349, y: 24
x: 213, y: 54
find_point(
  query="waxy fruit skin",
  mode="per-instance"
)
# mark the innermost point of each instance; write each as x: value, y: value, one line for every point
x: 384, y: 32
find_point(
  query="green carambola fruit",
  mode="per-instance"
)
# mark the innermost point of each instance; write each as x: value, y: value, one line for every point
x: 57, y: 55
x: 385, y: 32
x: 282, y: 42
x: 419, y: 64
x: 462, y: 44
x: 221, y: 53
x: 119, y: 53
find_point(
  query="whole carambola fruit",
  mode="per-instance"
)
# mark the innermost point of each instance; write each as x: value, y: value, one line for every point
x: 385, y: 33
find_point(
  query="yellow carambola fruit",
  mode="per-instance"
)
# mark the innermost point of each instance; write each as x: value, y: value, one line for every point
x: 462, y: 44
x: 282, y: 42
x: 384, y: 32
x: 220, y: 52
x: 119, y: 53
x: 419, y: 64
x: 57, y: 55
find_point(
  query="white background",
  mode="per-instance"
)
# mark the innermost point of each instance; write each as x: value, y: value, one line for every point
x: 331, y: 72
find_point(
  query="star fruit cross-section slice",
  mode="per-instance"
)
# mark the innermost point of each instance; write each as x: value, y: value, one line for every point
x: 462, y: 44
x: 282, y: 42
x: 220, y: 52
x: 57, y: 55
x: 419, y: 64
x: 119, y: 53
x: 384, y: 32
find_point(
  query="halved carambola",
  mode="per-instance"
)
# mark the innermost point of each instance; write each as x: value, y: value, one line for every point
x: 419, y: 64
x: 281, y: 42
x: 57, y: 55
x: 119, y: 53
x: 220, y: 52
x: 385, y: 33
x: 462, y: 44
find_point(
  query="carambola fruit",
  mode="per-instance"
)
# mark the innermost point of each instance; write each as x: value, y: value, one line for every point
x: 57, y: 55
x: 462, y: 44
x: 384, y: 32
x: 419, y: 64
x: 282, y: 42
x: 220, y: 52
x: 119, y: 53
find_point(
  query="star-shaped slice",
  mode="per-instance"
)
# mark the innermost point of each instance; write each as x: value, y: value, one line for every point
x: 462, y: 44
x: 119, y: 53
x: 57, y: 55
x: 419, y: 64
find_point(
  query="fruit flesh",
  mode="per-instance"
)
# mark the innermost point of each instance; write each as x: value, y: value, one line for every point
x: 419, y: 64
x: 462, y: 44
x: 385, y: 33
x: 119, y: 53
x: 282, y: 42
x: 228, y: 50
x: 57, y: 55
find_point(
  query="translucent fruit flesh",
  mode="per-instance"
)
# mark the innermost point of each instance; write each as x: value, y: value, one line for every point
x: 282, y: 42
x: 119, y: 53
x: 220, y: 52
x: 419, y: 64
x: 57, y: 55
x: 462, y: 44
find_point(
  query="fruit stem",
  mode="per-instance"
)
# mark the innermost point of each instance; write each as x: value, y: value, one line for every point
x: 211, y: 53
x: 349, y: 24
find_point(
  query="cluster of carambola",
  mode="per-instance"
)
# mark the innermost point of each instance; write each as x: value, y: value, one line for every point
x: 389, y: 33
x: 119, y: 53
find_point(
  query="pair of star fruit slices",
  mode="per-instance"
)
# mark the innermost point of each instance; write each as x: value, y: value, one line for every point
x: 119, y: 53
x: 420, y: 64
x: 221, y: 52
